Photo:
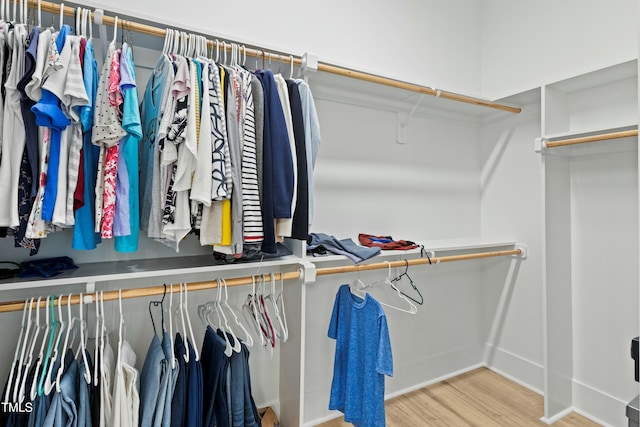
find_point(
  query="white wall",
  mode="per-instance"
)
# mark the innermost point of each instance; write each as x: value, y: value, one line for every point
x: 412, y: 40
x: 604, y: 220
x: 511, y: 197
x: 528, y: 43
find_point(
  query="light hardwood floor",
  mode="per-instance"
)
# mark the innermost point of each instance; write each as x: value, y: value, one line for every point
x: 477, y: 398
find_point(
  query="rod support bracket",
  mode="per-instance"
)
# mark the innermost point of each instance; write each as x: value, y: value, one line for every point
x: 539, y: 144
x: 524, y: 251
x: 309, y: 64
x: 308, y: 270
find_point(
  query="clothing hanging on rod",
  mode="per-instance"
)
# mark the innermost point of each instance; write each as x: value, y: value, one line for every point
x: 203, y: 165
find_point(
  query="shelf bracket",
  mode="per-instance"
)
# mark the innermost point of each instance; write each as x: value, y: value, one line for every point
x: 402, y: 119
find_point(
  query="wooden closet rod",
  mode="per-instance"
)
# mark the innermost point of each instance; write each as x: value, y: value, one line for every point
x: 592, y: 138
x: 6, y: 307
x: 418, y: 261
x: 258, y: 53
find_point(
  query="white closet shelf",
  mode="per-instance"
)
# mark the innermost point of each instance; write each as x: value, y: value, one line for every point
x: 601, y: 77
x: 436, y: 246
x: 162, y: 268
x: 612, y: 145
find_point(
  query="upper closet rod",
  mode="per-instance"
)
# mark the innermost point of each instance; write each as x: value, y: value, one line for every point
x: 200, y: 286
x: 328, y: 68
x: 592, y: 138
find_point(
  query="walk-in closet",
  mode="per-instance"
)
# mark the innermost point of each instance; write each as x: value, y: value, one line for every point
x: 185, y: 189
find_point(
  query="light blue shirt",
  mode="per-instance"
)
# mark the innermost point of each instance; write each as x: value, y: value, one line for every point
x: 132, y: 124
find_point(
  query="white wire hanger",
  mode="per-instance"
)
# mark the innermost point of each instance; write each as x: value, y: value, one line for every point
x: 22, y: 334
x: 249, y: 339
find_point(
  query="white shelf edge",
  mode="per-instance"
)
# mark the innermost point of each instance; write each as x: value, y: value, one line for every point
x: 450, y: 245
x: 141, y: 269
x: 166, y: 268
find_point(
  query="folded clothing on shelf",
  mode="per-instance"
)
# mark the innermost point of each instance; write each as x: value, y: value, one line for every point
x: 46, y: 267
x: 385, y: 242
x: 320, y: 243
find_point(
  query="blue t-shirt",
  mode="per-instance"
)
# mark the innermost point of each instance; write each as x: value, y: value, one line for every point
x: 129, y: 151
x: 84, y: 236
x: 362, y: 359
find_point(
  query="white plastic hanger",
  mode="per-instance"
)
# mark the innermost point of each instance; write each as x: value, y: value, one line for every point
x: 121, y: 331
x: 115, y: 30
x: 78, y: 28
x: 173, y: 356
x: 236, y: 347
x: 48, y: 382
x: 82, y: 346
x: 32, y: 345
x: 250, y: 311
x: 14, y: 363
x: 33, y: 392
x: 61, y: 15
x: 281, y: 307
x: 229, y: 349
x: 291, y: 68
x: 266, y: 324
x: 103, y: 329
x: 412, y: 308
x: 270, y: 302
x: 184, y: 327
x: 249, y: 339
x: 96, y: 349
x: 39, y: 13
x: 70, y: 323
x: 25, y: 344
x: 2, y: 6
x: 186, y: 313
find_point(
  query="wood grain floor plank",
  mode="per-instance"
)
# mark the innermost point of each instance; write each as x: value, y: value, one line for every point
x: 475, y: 399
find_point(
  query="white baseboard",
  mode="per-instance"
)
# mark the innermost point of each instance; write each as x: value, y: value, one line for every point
x: 599, y: 406
x: 516, y: 368
x: 432, y: 381
x: 397, y: 393
x: 557, y: 416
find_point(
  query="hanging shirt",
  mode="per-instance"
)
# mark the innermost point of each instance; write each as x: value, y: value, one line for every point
x: 84, y: 236
x: 150, y: 378
x: 362, y: 358
x: 211, y: 229
x: 277, y: 174
x: 112, y: 152
x: 162, y: 417
x: 156, y: 95
x: 131, y: 122
x: 13, y: 132
x: 74, y: 97
x: 179, y: 401
x: 106, y: 134
x: 300, y: 226
x: 126, y: 400
x: 311, y: 135
x: 215, y: 366
x: 49, y: 113
x: 28, y: 182
x: 251, y: 208
x: 284, y: 224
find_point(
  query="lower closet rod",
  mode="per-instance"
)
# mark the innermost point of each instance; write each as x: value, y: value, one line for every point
x: 328, y: 68
x: 200, y: 286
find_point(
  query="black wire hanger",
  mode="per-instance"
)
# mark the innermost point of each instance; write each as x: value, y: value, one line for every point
x: 160, y: 304
x: 406, y: 274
